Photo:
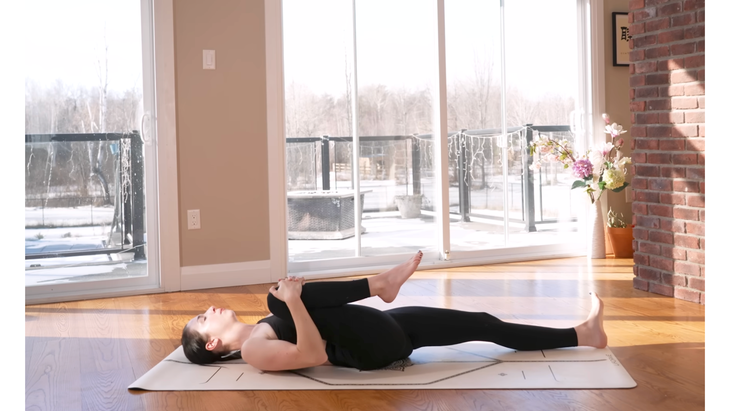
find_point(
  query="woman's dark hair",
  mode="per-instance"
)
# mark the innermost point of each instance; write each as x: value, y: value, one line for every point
x: 193, y: 344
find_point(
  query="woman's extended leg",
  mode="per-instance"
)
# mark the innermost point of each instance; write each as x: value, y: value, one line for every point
x: 428, y: 326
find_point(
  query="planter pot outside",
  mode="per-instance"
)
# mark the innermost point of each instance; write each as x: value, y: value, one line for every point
x: 621, y: 241
x: 409, y: 205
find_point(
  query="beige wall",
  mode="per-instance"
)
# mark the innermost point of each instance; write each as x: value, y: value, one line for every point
x: 221, y: 131
x: 617, y: 100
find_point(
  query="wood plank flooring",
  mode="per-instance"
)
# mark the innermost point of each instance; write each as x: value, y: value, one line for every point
x: 82, y: 355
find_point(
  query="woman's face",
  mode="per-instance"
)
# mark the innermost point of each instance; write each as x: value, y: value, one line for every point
x: 214, y: 322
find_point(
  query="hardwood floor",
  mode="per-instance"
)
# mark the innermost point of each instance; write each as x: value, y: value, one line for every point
x: 82, y: 355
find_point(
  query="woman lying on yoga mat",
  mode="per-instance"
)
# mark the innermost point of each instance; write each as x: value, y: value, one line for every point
x: 314, y: 324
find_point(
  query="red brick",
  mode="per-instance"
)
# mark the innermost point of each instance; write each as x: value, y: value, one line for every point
x: 701, y: 49
x: 649, y: 274
x: 694, y: 32
x: 659, y: 184
x: 701, y: 102
x: 634, y: 30
x: 650, y: 3
x: 672, y: 8
x: 638, y: 131
x: 658, y: 24
x: 695, y: 256
x: 660, y: 118
x: 702, y: 295
x: 644, y: 14
x: 661, y: 237
x: 684, y: 267
x: 640, y: 284
x: 647, y: 171
x: 661, y: 104
x: 643, y: 41
x: 636, y: 4
x: 670, y: 36
x: 632, y: 68
x: 683, y: 76
x: 683, y: 48
x: 657, y: 52
x: 684, y: 159
x: 671, y: 64
x: 640, y: 233
x: 646, y: 196
x: 673, y: 172
x: 701, y: 130
x: 687, y: 295
x: 674, y: 253
x: 684, y: 102
x: 696, y: 201
x: 674, y: 279
x: 694, y: 61
x: 658, y: 158
x: 694, y: 116
x: 648, y: 144
x: 671, y: 145
x: 686, y: 241
x: 673, y: 198
x: 641, y: 259
x: 686, y: 186
x: 684, y: 130
x: 675, y: 226
x: 690, y: 214
x: 647, y: 222
x: 649, y: 248
x: 702, y: 240
x: 683, y: 19
x: 661, y: 289
x: 657, y: 79
x: 661, y: 263
x: 645, y: 92
x: 636, y: 55
x: 660, y: 210
x: 671, y: 91
x: 694, y: 90
x: 696, y: 144
x: 696, y: 228
x: 701, y: 161
x: 694, y: 5
x: 696, y: 283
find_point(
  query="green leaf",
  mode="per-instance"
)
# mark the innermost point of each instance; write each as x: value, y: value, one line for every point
x: 578, y: 183
x: 618, y: 190
x: 602, y: 185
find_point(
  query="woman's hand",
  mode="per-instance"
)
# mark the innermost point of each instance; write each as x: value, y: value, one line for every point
x: 289, y: 288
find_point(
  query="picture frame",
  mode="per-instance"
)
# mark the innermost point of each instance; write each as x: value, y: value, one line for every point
x: 621, y: 39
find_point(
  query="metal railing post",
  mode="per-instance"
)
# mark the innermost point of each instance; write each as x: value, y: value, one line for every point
x: 138, y: 194
x: 325, y: 162
x: 528, y: 189
x: 463, y: 164
x: 416, y: 165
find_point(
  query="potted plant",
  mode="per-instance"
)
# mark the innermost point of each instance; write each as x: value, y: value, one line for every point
x: 620, y: 235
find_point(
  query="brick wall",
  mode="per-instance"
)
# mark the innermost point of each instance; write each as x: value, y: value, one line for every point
x: 667, y: 89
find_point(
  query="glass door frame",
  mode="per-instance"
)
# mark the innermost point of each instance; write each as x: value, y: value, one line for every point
x: 158, y: 123
x: 589, y: 14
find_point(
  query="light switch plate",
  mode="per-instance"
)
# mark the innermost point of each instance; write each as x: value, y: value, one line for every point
x: 208, y: 59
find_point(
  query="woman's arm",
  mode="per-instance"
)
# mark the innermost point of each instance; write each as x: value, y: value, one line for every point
x: 275, y: 355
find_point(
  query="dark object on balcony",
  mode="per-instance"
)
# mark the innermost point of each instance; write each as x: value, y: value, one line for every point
x: 322, y: 215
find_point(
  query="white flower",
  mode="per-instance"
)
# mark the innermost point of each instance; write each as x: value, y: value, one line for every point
x: 535, y: 166
x: 606, y: 118
x: 615, y: 129
x: 614, y: 178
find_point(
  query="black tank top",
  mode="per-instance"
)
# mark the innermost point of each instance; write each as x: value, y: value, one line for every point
x: 284, y: 330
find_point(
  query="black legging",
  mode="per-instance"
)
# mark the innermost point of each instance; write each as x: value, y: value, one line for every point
x: 367, y: 338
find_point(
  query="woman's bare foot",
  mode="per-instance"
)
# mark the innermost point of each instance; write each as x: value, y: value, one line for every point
x: 386, y: 285
x: 590, y: 332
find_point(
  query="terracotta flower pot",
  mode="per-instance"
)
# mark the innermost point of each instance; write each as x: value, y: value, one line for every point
x: 621, y: 241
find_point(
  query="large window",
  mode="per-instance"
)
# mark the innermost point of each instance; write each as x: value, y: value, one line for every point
x: 90, y: 194
x: 360, y: 79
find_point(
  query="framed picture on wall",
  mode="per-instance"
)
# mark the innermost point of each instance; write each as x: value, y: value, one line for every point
x: 621, y: 39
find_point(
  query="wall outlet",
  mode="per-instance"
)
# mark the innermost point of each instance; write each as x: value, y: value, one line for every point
x: 193, y: 219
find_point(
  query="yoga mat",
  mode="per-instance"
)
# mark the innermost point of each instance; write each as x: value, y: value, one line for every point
x: 472, y: 365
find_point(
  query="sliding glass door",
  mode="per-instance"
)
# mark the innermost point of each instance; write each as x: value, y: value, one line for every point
x: 90, y: 148
x: 359, y: 81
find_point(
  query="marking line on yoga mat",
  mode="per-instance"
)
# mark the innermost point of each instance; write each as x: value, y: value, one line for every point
x: 472, y: 365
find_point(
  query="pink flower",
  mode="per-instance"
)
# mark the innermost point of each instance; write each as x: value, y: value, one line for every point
x: 606, y: 118
x: 582, y: 168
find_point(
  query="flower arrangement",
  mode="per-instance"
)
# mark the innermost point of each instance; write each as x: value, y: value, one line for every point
x: 600, y: 168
